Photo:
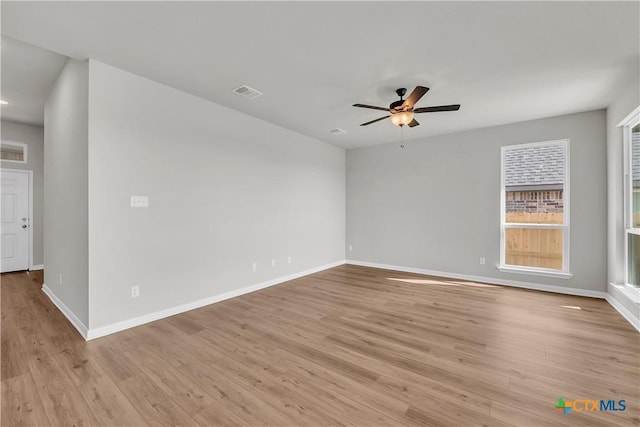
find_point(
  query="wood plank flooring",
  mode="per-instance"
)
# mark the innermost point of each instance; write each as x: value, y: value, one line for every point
x: 347, y: 346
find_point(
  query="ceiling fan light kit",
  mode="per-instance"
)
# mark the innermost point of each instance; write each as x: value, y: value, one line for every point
x: 402, y: 118
x: 402, y: 111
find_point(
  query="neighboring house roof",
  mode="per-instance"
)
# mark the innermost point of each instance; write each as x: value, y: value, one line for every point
x: 635, y: 157
x: 534, y: 166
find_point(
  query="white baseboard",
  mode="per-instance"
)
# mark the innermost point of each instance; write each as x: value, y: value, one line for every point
x: 635, y: 322
x: 623, y: 291
x: 37, y: 267
x: 77, y: 323
x: 151, y: 317
x: 482, y: 279
x: 632, y: 294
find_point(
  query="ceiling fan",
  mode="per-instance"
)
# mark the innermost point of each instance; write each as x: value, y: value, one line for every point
x: 402, y: 111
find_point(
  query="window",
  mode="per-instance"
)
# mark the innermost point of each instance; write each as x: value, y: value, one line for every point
x: 534, y: 232
x: 15, y: 152
x: 631, y: 138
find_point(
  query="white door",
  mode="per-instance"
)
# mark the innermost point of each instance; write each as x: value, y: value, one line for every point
x: 14, y: 229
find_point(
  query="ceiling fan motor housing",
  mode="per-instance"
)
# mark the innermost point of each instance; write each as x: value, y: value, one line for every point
x: 396, y: 105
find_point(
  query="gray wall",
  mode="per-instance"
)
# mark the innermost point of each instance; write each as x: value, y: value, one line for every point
x: 624, y: 104
x: 435, y: 204
x: 225, y: 190
x: 65, y: 189
x: 33, y: 136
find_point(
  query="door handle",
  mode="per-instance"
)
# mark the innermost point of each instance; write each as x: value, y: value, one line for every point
x: 24, y: 226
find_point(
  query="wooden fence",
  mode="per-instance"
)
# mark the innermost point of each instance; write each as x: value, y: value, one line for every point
x: 534, y: 247
x: 535, y: 218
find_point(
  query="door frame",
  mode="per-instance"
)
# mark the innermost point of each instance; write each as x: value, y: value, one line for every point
x: 29, y: 173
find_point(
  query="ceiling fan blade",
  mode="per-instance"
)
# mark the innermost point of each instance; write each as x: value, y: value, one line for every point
x: 415, y: 96
x: 373, y: 121
x: 454, y: 107
x: 413, y: 123
x: 373, y: 107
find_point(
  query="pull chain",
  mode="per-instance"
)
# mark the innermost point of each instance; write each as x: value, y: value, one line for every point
x: 401, y: 136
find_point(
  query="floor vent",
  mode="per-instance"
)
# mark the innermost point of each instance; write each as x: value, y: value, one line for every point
x: 247, y: 92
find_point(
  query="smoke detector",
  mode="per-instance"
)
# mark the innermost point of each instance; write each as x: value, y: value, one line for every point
x: 337, y: 131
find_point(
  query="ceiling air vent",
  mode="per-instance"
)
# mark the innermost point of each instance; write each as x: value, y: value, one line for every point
x: 247, y: 92
x: 337, y: 131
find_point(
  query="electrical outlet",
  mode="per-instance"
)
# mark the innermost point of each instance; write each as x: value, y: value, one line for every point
x: 273, y: 262
x: 254, y: 266
x: 139, y: 201
x: 482, y: 260
x: 289, y: 259
x: 60, y: 279
x: 135, y: 291
x: 350, y: 248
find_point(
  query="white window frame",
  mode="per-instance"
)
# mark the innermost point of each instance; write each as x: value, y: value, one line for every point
x: 631, y: 121
x: 537, y: 271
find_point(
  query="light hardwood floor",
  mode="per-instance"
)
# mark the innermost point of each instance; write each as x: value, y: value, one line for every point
x: 347, y: 346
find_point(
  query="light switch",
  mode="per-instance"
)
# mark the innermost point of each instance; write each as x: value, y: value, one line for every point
x: 139, y: 201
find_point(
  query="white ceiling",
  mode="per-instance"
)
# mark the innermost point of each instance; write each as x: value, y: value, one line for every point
x: 28, y: 72
x: 503, y: 61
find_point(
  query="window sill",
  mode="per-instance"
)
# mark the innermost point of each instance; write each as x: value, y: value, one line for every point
x: 535, y: 272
